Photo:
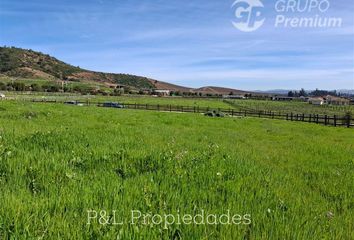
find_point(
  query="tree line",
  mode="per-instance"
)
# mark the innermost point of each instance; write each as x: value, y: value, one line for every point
x: 315, y: 93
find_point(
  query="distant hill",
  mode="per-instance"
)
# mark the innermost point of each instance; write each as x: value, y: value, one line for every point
x: 346, y: 91
x: 219, y: 90
x: 169, y: 86
x: 275, y: 91
x: 29, y: 64
x: 286, y: 91
x: 22, y: 63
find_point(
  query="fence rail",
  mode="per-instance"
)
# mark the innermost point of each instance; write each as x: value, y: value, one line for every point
x: 328, y: 120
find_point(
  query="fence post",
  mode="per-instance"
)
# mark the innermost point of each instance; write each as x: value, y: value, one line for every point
x: 325, y: 119
x: 291, y: 115
x: 287, y: 117
x: 335, y: 120
x: 158, y: 107
x: 348, y: 120
x: 232, y: 112
x: 317, y: 119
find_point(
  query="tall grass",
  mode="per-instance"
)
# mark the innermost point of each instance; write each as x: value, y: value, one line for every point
x: 57, y: 162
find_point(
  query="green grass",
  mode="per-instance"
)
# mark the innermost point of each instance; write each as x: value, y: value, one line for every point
x: 56, y: 162
x: 241, y: 105
x: 180, y: 101
x: 139, y: 99
x: 288, y: 107
x: 26, y: 81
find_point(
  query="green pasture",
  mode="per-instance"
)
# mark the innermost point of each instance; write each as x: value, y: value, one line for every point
x: 58, y: 162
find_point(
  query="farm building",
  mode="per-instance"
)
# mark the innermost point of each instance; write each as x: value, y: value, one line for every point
x: 304, y: 99
x: 115, y: 86
x: 234, y: 96
x: 336, y: 100
x: 160, y: 92
x: 316, y: 101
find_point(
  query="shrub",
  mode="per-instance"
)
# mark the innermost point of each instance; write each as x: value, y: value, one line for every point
x: 19, y: 86
x: 2, y: 86
x: 36, y: 87
x: 51, y: 88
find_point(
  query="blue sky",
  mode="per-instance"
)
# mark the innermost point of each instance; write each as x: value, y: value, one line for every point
x: 191, y: 43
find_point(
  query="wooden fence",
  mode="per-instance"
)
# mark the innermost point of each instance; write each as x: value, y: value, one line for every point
x: 328, y: 120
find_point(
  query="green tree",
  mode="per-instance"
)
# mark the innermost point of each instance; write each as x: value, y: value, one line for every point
x: 2, y: 86
x: 290, y: 94
x: 303, y: 93
x: 36, y: 87
x: 19, y: 86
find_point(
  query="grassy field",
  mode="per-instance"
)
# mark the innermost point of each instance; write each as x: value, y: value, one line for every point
x: 241, y: 105
x: 57, y: 162
x: 201, y: 102
x: 288, y: 107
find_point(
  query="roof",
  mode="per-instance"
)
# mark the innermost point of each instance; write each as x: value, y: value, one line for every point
x: 161, y: 90
x: 316, y: 99
x: 338, y: 99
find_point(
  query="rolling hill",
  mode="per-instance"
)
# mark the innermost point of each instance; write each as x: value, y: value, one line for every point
x: 29, y: 64
x: 219, y: 90
x: 171, y: 87
x: 21, y: 63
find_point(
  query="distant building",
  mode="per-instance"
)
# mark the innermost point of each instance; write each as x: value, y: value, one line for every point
x: 234, y: 96
x: 145, y: 91
x: 304, y: 99
x: 316, y: 101
x: 115, y: 86
x: 160, y: 92
x: 281, y: 98
x: 331, y: 100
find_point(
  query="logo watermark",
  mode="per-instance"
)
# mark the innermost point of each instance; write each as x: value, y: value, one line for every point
x: 250, y: 14
x: 104, y: 217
